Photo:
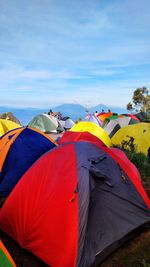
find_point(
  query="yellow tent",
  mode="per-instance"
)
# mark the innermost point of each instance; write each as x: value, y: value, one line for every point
x: 7, y: 125
x: 93, y: 129
x: 140, y: 132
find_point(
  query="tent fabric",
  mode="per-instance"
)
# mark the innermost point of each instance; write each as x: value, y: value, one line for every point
x: 103, y: 116
x: 92, y: 118
x: 81, y: 186
x: 6, y: 125
x: 118, y: 155
x: 62, y: 123
x: 5, y: 143
x: 113, y: 117
x: 141, y: 115
x: 69, y: 123
x: 18, y: 150
x: 93, y: 129
x: 112, y: 126
x: 5, y: 258
x: 132, y: 116
x: 79, y: 136
x: 66, y: 124
x: 44, y: 122
x: 140, y: 133
x: 9, y: 116
x: 45, y: 219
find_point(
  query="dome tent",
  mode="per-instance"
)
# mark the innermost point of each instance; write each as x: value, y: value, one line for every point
x: 7, y: 125
x: 92, y: 118
x: 86, y: 194
x: 10, y: 116
x: 45, y: 123
x: 67, y: 123
x: 19, y: 148
x: 118, y: 155
x: 139, y: 133
x: 115, y: 124
x: 93, y: 129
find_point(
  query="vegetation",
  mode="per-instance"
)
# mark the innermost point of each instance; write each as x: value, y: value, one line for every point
x: 140, y: 100
x: 140, y: 160
x: 9, y: 116
x: 142, y: 163
x: 134, y: 253
x: 147, y: 117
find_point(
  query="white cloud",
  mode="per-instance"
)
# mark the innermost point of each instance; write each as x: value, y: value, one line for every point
x: 73, y: 50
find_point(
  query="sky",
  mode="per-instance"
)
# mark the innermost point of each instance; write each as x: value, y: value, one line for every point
x: 87, y: 52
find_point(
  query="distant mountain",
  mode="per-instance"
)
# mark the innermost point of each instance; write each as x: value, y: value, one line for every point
x: 74, y: 111
x: 99, y: 108
x: 24, y: 115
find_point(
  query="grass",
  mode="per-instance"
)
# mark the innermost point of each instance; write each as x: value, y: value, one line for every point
x: 134, y: 253
x: 140, y: 160
x: 142, y: 163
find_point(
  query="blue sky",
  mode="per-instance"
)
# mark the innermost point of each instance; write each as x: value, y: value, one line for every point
x: 73, y: 51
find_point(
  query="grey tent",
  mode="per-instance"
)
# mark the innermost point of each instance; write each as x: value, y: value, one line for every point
x: 67, y: 124
x: 114, y: 125
x: 45, y: 123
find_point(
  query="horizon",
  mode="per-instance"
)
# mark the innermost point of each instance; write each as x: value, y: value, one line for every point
x: 82, y: 52
x: 57, y: 105
x: 74, y: 111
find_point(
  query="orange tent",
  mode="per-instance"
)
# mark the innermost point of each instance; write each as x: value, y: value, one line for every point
x: 5, y: 258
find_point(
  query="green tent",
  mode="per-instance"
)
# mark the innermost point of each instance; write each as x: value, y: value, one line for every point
x: 45, y: 123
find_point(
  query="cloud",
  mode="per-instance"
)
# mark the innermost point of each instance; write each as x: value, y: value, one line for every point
x: 70, y: 50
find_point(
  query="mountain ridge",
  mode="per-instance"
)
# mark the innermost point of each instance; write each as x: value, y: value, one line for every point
x: 75, y: 111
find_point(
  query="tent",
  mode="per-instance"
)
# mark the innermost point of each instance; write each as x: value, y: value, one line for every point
x: 132, y: 116
x: 19, y: 148
x: 67, y: 123
x: 114, y: 125
x: 21, y: 257
x: 141, y: 115
x: 7, y: 125
x: 113, y: 117
x: 45, y: 123
x: 92, y: 118
x: 139, y: 133
x: 84, y: 188
x: 93, y: 129
x: 10, y: 116
x: 103, y: 115
x: 117, y: 154
x: 5, y: 258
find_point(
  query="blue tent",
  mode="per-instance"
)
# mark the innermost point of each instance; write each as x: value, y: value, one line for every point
x: 19, y: 148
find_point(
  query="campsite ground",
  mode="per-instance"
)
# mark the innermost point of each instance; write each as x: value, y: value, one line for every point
x: 136, y: 252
